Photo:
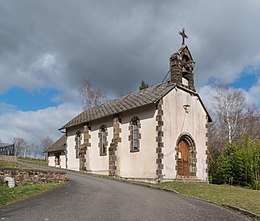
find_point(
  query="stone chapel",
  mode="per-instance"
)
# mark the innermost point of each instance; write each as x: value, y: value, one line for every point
x: 156, y: 134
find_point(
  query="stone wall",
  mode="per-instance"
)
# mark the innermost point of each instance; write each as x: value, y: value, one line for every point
x: 22, y: 176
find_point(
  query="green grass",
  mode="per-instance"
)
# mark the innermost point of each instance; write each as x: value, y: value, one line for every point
x: 4, y: 164
x: 34, y: 161
x: 11, y: 195
x: 222, y: 194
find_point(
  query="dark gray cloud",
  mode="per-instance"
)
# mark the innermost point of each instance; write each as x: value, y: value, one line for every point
x: 116, y: 43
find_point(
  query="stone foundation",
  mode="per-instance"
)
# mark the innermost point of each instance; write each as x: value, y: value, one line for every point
x: 23, y: 176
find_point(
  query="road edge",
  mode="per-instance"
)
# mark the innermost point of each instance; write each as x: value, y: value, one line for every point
x: 227, y: 206
x: 120, y: 179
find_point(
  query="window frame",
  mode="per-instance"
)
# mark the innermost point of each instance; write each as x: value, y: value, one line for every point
x: 77, y: 143
x: 135, y: 134
x: 103, y: 141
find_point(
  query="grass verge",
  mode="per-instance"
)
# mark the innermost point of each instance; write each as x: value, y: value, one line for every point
x: 222, y: 194
x: 11, y: 195
x: 34, y: 161
x: 4, y: 164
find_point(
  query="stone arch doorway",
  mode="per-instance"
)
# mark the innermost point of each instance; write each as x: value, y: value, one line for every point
x: 186, y: 156
x: 183, y: 162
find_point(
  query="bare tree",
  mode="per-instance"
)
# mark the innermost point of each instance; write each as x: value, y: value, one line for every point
x: 229, y: 105
x: 234, y: 123
x: 46, y: 142
x: 251, y: 123
x: 20, y: 145
x: 233, y: 117
x: 91, y: 96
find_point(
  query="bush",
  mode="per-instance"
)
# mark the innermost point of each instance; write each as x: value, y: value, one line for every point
x: 239, y: 164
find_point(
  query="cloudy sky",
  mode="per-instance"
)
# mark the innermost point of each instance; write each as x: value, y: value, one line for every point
x: 48, y: 47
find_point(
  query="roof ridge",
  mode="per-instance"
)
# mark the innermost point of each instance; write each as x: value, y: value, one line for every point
x: 127, y: 102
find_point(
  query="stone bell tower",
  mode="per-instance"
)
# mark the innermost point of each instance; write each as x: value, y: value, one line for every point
x: 182, y: 66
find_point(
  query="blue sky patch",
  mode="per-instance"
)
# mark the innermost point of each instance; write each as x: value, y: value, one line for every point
x: 247, y: 78
x: 25, y: 100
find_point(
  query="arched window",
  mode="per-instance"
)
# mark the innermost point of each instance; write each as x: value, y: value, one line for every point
x: 103, y: 140
x: 135, y: 135
x: 185, y: 58
x: 78, y: 143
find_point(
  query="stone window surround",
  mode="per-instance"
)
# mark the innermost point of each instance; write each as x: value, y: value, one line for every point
x: 87, y: 137
x: 131, y: 136
x: 84, y: 147
x: 193, y: 153
x: 113, y: 147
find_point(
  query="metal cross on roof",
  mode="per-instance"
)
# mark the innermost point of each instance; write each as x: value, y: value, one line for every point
x: 182, y: 33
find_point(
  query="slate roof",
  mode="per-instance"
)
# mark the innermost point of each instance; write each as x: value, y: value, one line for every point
x: 137, y: 99
x: 58, y: 145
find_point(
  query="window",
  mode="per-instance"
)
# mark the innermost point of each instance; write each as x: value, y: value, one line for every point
x: 135, y: 134
x: 103, y: 140
x: 78, y: 143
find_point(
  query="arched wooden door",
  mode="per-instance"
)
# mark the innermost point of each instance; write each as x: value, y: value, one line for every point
x: 183, y: 163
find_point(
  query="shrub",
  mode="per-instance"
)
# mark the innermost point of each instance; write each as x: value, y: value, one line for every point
x: 239, y: 164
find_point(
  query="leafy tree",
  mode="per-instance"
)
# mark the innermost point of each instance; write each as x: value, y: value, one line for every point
x: 233, y: 165
x: 250, y: 149
x: 239, y: 164
x: 143, y: 85
x: 256, y: 166
x: 215, y: 175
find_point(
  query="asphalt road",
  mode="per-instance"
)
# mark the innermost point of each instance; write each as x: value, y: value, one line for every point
x: 91, y: 198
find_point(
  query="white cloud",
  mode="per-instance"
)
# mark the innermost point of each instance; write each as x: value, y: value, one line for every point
x: 206, y: 94
x: 253, y: 94
x: 34, y: 125
x: 6, y: 108
x: 45, y: 61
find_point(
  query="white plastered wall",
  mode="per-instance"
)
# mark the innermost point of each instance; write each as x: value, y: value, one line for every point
x: 73, y: 162
x: 94, y: 162
x: 141, y: 164
x: 63, y: 161
x: 51, y: 160
x: 177, y: 122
